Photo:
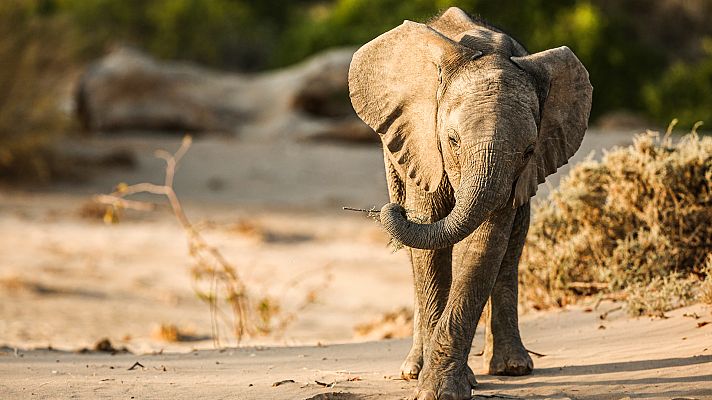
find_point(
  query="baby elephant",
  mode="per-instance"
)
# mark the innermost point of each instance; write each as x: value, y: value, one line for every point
x: 471, y: 124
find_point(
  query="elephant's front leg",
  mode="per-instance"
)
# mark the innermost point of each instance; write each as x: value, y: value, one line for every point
x: 476, y: 262
x: 504, y: 352
x: 413, y: 363
x: 432, y: 276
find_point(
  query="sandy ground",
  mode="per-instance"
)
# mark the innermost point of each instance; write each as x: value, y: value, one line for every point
x: 630, y: 358
x: 273, y: 209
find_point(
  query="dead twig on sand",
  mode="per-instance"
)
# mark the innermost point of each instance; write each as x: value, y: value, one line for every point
x: 539, y: 355
x: 136, y: 365
x: 612, y: 310
x: 279, y: 383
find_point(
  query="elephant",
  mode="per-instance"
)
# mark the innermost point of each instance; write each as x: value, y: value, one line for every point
x: 471, y: 124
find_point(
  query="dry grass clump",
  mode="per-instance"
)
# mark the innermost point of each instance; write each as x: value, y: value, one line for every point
x: 172, y: 333
x: 18, y: 284
x: 391, y: 325
x: 705, y: 293
x: 638, y: 224
x: 38, y: 59
x: 661, y: 294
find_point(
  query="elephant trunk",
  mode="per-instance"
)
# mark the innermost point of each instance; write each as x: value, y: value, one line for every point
x: 483, y: 189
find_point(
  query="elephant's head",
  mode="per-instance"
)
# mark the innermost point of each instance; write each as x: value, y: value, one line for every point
x: 460, y: 101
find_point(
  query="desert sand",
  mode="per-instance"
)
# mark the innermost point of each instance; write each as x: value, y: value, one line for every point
x: 274, y: 210
x: 643, y: 358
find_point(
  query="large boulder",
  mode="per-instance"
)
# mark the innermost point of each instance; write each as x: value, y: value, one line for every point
x: 128, y: 90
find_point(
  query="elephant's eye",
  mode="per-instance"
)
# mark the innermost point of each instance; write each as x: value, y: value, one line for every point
x: 529, y: 151
x: 453, y: 138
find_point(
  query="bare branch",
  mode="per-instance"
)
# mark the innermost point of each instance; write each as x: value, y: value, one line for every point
x: 210, y: 268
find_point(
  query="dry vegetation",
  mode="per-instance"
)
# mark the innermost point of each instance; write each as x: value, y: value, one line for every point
x: 216, y: 281
x: 637, y: 225
x: 391, y: 325
x: 37, y: 60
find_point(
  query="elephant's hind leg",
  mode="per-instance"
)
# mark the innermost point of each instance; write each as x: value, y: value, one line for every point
x: 504, y: 352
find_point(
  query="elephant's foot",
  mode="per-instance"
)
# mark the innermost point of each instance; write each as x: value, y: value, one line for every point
x: 510, y: 360
x: 412, y: 365
x: 434, y: 385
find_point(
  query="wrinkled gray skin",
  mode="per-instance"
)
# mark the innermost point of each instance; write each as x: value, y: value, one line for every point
x: 471, y: 124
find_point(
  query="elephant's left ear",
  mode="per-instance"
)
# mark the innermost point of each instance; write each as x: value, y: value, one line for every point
x: 566, y: 93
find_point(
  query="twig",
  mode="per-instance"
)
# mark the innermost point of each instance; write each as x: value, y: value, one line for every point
x: 540, y: 355
x: 605, y: 314
x: 283, y: 382
x: 598, y: 303
x: 136, y: 365
x: 587, y: 285
x: 207, y: 257
x: 124, y: 203
x: 372, y: 210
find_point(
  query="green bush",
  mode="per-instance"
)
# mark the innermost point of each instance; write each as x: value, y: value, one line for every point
x: 641, y: 55
x: 604, y: 40
x: 684, y: 91
x: 220, y: 33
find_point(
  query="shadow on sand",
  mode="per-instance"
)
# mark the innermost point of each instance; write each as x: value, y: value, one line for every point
x: 530, y: 382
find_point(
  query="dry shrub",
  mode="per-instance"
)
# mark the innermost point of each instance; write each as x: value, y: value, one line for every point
x: 661, y: 294
x: 38, y: 56
x: 705, y: 294
x: 94, y: 210
x: 166, y: 333
x: 172, y: 333
x: 640, y: 219
x: 17, y: 284
x: 391, y: 325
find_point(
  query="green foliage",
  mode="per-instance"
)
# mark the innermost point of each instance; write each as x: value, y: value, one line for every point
x: 220, y: 33
x: 345, y: 22
x: 684, y: 91
x: 600, y: 38
x: 247, y: 35
x: 641, y: 56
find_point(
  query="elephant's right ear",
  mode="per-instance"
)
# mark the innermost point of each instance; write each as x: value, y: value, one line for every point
x: 393, y: 84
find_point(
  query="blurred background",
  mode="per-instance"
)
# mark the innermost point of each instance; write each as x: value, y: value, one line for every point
x: 89, y: 89
x: 650, y: 61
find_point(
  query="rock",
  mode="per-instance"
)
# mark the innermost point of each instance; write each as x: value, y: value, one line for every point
x: 623, y: 120
x: 127, y: 90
